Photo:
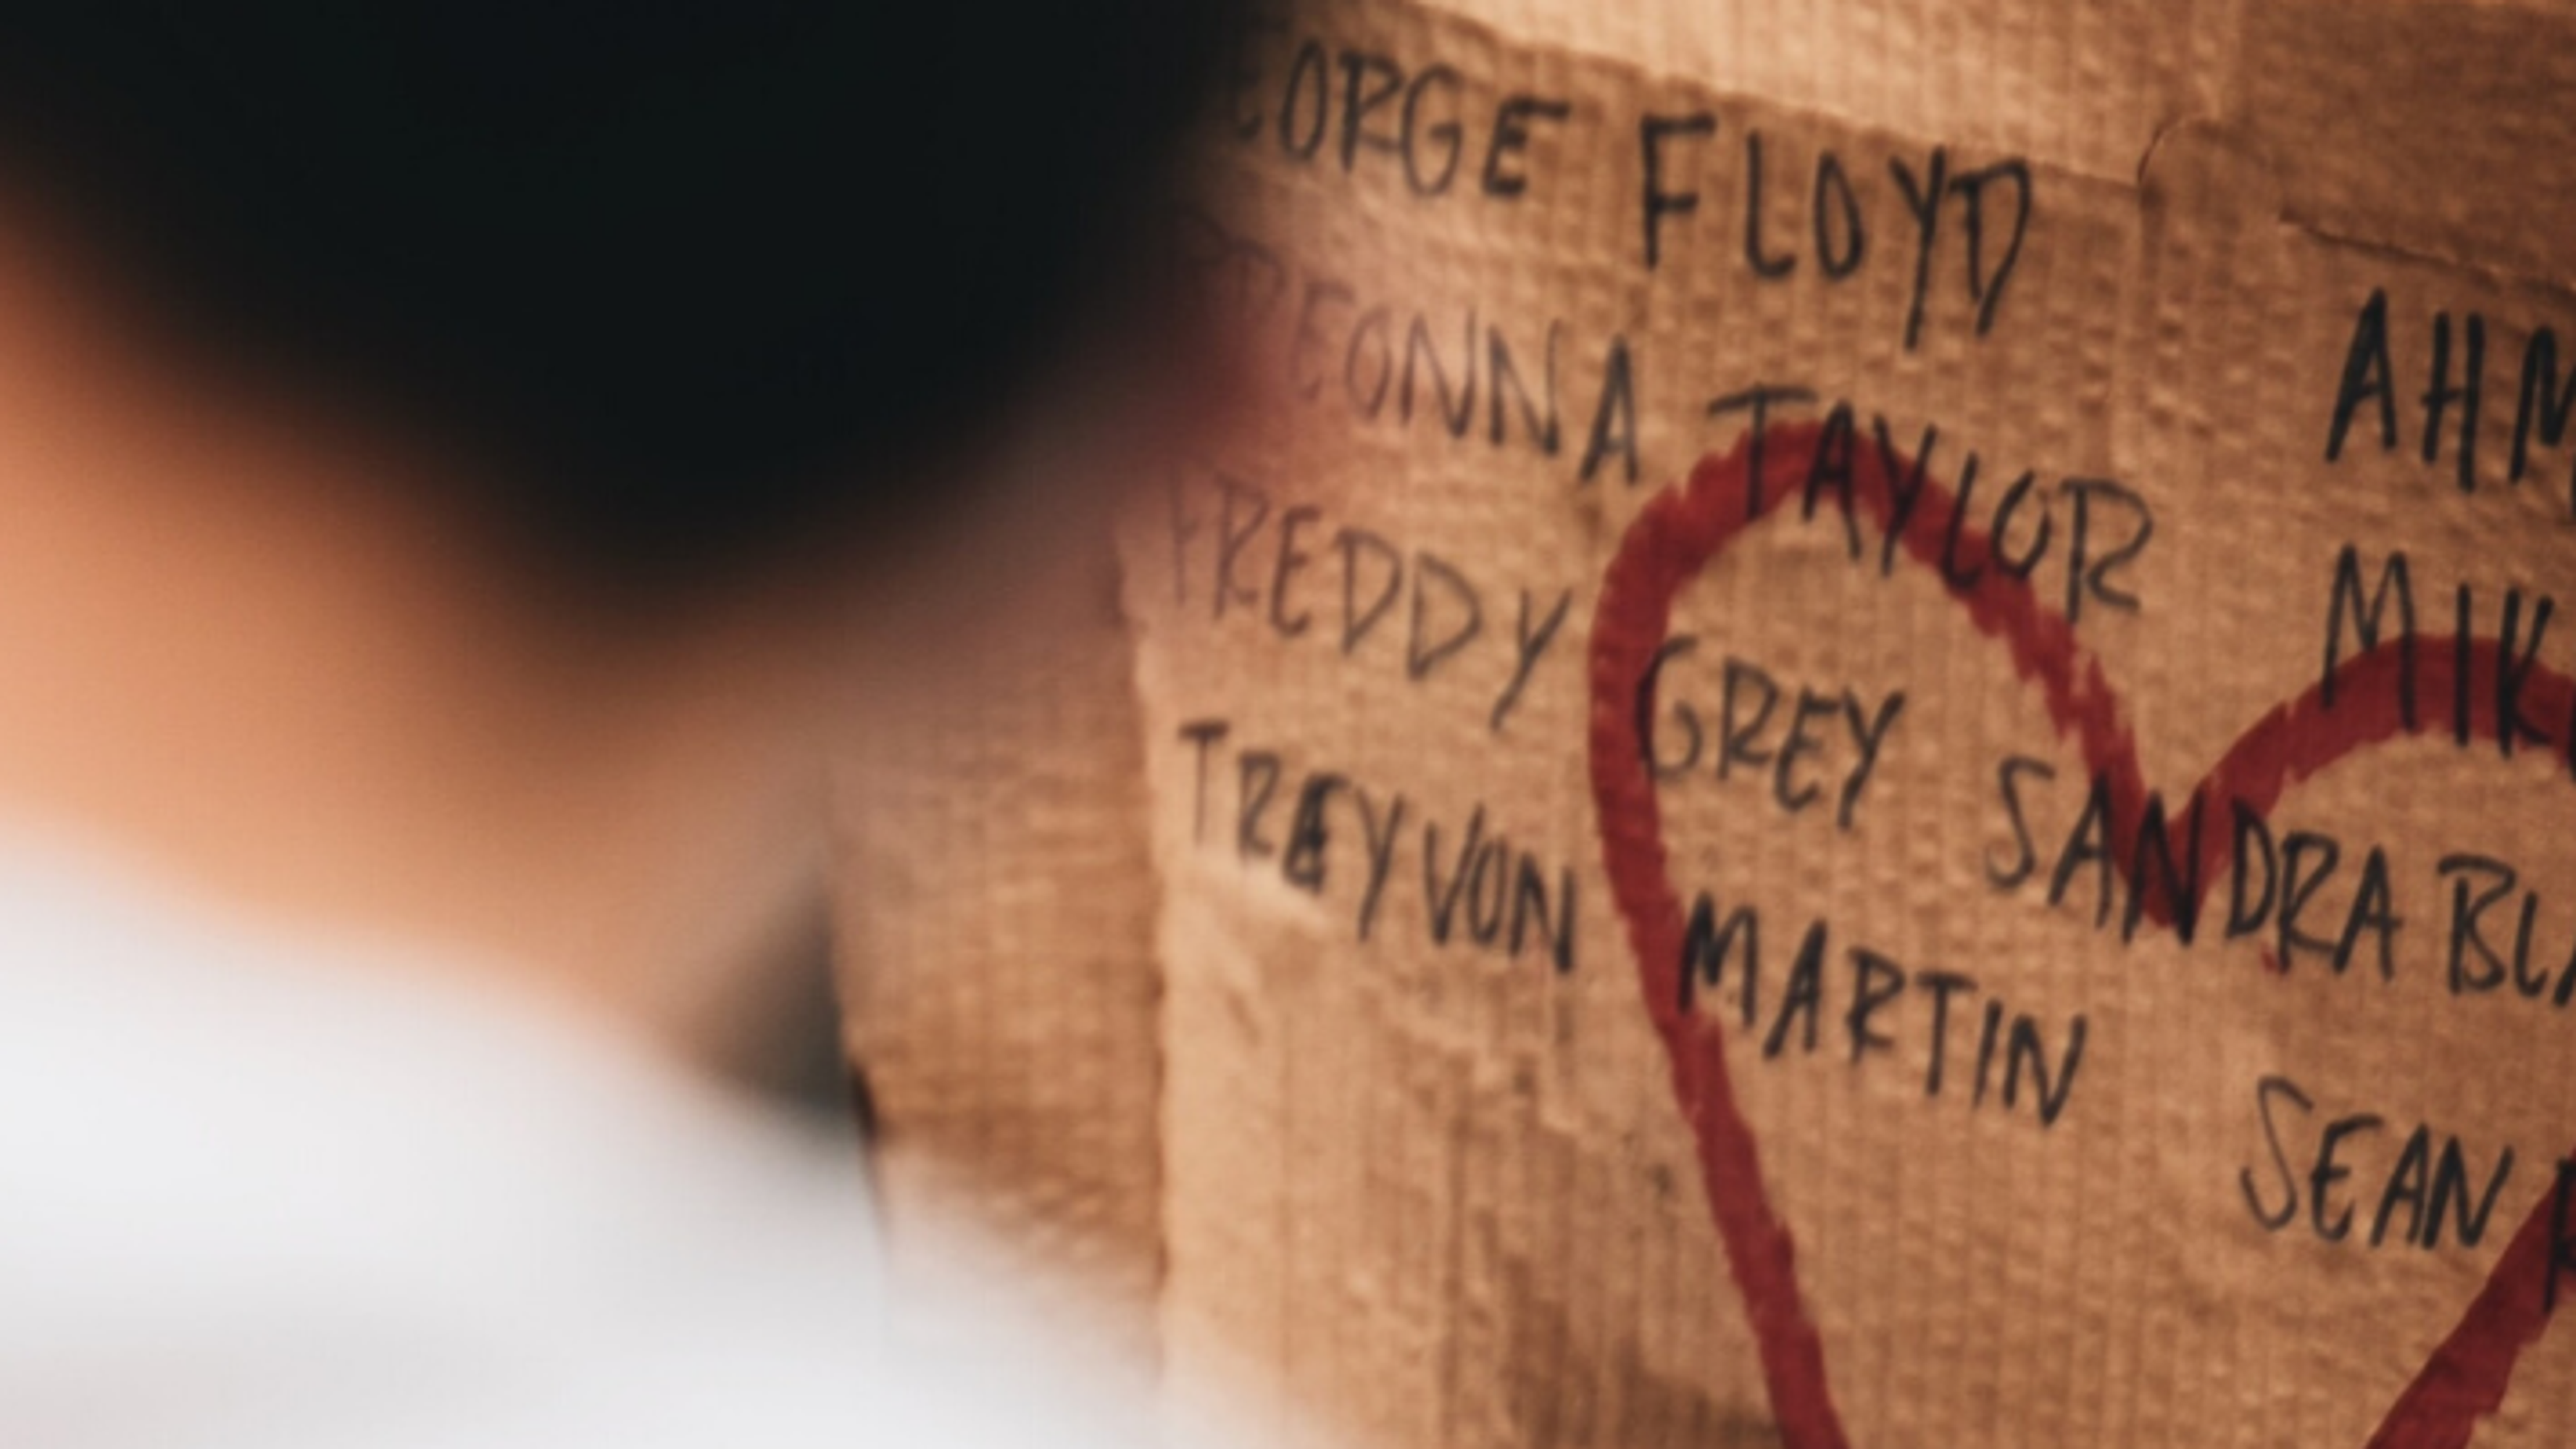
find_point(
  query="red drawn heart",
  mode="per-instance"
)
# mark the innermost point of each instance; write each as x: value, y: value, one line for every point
x: 1672, y: 540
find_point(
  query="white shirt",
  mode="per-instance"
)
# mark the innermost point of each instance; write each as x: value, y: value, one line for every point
x: 256, y: 1190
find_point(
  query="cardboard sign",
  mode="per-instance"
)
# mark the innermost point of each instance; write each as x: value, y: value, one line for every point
x: 1877, y: 750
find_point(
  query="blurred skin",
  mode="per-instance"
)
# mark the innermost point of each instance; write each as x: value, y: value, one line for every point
x: 238, y: 645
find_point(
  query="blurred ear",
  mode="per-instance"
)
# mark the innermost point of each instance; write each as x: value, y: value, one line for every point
x: 1208, y: 378
x: 1110, y: 418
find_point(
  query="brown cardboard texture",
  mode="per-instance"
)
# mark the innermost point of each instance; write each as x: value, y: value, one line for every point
x: 1870, y: 755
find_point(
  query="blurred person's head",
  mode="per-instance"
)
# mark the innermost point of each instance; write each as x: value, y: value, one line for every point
x: 441, y: 444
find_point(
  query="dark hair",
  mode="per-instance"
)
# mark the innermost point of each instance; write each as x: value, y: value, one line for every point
x: 688, y: 281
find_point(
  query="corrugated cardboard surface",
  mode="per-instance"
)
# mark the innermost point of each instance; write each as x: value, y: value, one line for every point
x: 1429, y: 1169
x: 995, y: 918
